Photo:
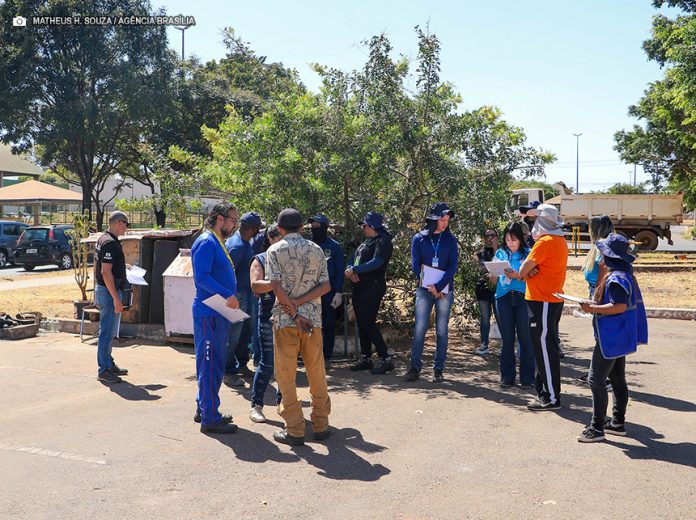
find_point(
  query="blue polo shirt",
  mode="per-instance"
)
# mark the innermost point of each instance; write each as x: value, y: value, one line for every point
x: 212, y: 273
x: 242, y: 254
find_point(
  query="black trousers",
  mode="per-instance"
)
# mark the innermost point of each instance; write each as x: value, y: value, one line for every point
x: 367, y: 298
x: 600, y: 370
x: 543, y: 328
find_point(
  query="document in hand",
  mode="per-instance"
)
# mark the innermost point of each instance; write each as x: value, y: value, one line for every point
x: 136, y: 275
x: 430, y: 276
x: 570, y: 298
x: 219, y: 304
x: 497, y: 267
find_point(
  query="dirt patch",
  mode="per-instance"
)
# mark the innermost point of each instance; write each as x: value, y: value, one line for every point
x: 52, y: 300
x: 672, y: 290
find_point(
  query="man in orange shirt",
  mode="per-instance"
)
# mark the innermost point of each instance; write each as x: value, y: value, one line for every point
x: 549, y: 256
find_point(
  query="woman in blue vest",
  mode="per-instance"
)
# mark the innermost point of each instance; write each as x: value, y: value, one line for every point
x: 266, y: 298
x: 513, y: 313
x: 620, y: 326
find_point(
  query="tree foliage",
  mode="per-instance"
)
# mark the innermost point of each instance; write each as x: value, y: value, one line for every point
x: 368, y: 142
x: 626, y: 189
x: 665, y: 143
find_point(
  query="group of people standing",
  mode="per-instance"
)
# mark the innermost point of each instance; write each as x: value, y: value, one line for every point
x: 290, y: 286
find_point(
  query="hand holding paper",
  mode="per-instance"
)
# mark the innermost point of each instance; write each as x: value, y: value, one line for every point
x: 219, y: 304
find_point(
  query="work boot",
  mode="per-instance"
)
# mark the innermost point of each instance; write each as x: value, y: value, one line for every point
x: 117, y: 370
x: 320, y: 436
x: 283, y: 437
x: 412, y: 375
x: 226, y: 418
x: 437, y: 376
x: 365, y: 363
x: 385, y: 365
x: 221, y: 427
x: 108, y: 377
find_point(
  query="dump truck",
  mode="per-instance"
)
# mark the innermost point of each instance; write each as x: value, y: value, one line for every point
x: 645, y: 219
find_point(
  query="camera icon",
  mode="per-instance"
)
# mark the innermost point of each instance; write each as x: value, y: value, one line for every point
x: 19, y: 21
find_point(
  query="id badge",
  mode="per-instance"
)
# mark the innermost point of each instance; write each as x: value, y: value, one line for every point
x: 436, y: 262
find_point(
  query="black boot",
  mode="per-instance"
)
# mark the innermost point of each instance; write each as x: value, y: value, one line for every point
x: 385, y: 365
x: 365, y: 363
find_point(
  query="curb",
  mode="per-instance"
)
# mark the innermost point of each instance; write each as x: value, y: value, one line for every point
x: 149, y: 331
x: 652, y: 312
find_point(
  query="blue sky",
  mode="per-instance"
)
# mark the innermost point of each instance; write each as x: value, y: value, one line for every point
x: 553, y: 67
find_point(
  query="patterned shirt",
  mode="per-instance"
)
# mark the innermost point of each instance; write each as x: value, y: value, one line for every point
x: 299, y: 265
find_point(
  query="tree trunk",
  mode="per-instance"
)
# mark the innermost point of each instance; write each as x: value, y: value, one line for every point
x: 160, y: 217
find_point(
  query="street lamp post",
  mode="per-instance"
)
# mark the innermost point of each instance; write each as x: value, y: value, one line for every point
x: 577, y: 163
x: 182, y: 28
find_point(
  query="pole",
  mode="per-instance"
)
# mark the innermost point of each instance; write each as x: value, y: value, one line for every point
x: 634, y: 174
x: 577, y: 163
x: 182, y: 28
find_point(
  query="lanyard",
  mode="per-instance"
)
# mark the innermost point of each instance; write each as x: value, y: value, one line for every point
x: 435, y: 248
x: 227, y: 254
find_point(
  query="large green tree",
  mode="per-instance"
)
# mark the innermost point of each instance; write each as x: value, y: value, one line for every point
x: 84, y: 93
x: 368, y: 141
x: 665, y: 141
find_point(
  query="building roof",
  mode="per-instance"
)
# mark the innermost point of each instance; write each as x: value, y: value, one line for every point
x: 11, y: 164
x: 35, y: 192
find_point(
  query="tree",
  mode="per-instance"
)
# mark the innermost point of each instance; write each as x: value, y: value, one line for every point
x: 367, y: 142
x: 665, y: 145
x: 83, y: 93
x: 626, y: 189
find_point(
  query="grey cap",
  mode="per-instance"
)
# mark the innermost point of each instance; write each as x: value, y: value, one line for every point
x: 117, y: 215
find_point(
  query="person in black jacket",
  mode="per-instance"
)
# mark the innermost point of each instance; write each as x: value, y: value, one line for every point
x: 367, y: 268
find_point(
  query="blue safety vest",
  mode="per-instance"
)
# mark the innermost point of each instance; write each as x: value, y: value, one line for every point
x: 620, y: 334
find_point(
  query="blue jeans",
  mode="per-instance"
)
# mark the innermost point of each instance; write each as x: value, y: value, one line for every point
x: 424, y: 305
x: 486, y: 308
x: 513, y: 315
x: 107, y: 327
x: 264, y: 371
x: 240, y: 335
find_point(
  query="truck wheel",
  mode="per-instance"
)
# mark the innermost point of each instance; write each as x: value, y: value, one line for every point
x: 28, y: 267
x: 648, y: 240
x: 3, y: 258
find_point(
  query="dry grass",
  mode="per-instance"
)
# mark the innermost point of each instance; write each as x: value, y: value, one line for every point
x: 35, y: 276
x: 51, y: 301
x: 671, y: 289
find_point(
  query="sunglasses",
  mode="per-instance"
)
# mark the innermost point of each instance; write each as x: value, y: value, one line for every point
x: 490, y: 235
x: 125, y: 222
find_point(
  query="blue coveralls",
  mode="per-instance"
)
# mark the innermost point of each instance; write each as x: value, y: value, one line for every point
x: 336, y: 265
x: 212, y: 274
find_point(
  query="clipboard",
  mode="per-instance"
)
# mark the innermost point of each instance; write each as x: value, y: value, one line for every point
x: 219, y: 304
x: 431, y: 276
x: 574, y: 299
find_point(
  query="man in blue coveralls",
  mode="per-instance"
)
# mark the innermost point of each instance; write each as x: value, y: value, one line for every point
x: 241, y: 334
x: 336, y: 264
x: 213, y: 273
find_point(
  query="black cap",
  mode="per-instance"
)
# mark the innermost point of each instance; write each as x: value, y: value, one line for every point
x: 289, y: 218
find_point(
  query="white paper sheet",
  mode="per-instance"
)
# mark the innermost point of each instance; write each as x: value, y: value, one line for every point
x: 219, y: 304
x: 497, y: 267
x: 430, y: 276
x: 570, y: 298
x: 136, y: 275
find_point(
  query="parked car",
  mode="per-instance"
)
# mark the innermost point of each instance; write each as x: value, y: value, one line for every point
x: 10, y: 231
x: 44, y: 245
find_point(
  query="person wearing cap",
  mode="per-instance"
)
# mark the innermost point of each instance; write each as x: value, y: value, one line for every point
x: 367, y: 268
x: 110, y: 276
x: 297, y: 270
x: 434, y: 247
x: 333, y: 252
x: 620, y: 325
x: 213, y: 274
x: 266, y: 299
x: 528, y: 220
x: 548, y: 259
x: 485, y: 289
x: 242, y: 333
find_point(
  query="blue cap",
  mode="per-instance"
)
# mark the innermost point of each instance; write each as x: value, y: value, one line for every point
x: 319, y: 218
x: 251, y: 219
x: 533, y: 205
x: 374, y: 220
x: 616, y: 246
x: 439, y: 210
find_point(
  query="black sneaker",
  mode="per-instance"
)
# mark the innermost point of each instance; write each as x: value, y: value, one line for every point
x: 582, y: 378
x: 320, y: 436
x: 226, y: 418
x: 117, y: 370
x: 437, y: 376
x: 385, y: 365
x: 365, y: 363
x: 245, y: 371
x: 542, y: 404
x: 221, y: 427
x: 506, y: 384
x: 591, y: 434
x: 108, y: 377
x: 412, y: 375
x: 283, y: 437
x: 614, y: 428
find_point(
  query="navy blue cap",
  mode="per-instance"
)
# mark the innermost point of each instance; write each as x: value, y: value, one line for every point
x: 251, y: 219
x: 289, y: 218
x: 374, y: 220
x: 439, y: 210
x: 319, y: 218
x: 616, y: 246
